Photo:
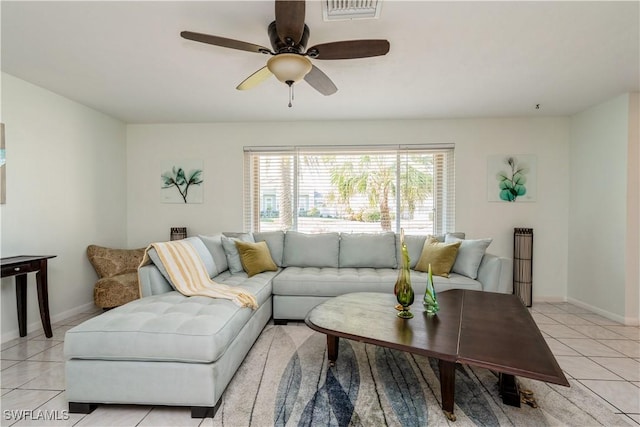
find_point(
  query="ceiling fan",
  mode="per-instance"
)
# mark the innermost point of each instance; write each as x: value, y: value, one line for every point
x: 289, y: 60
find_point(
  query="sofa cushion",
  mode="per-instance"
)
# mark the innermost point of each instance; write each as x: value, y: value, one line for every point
x: 214, y: 245
x: 368, y: 250
x: 440, y: 256
x: 255, y: 257
x: 311, y: 250
x: 454, y: 281
x: 166, y: 327
x: 200, y: 248
x: 443, y: 237
x: 469, y: 255
x: 414, y: 247
x: 275, y: 241
x: 155, y: 259
x: 169, y: 326
x: 230, y: 250
x: 331, y: 281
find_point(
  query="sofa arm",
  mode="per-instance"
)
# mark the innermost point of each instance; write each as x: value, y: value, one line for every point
x: 152, y: 282
x: 496, y: 274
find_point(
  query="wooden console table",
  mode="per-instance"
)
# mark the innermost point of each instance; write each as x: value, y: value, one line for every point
x: 19, y: 266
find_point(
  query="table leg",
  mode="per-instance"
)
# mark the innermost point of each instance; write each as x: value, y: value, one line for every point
x: 332, y: 349
x: 509, y: 390
x: 43, y: 298
x: 21, y: 303
x: 447, y: 387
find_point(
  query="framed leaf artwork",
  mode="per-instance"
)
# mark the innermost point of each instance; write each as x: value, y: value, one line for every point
x: 512, y: 178
x: 181, y: 181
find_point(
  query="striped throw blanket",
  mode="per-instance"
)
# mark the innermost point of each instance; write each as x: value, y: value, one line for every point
x: 189, y: 275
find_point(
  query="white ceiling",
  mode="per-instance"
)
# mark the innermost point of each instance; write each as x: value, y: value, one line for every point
x: 447, y: 59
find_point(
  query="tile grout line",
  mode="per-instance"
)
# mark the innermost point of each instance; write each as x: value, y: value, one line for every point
x: 623, y: 356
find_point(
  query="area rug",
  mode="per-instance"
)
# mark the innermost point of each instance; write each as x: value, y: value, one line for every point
x: 286, y: 380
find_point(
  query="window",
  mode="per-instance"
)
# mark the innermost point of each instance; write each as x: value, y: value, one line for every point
x: 350, y: 189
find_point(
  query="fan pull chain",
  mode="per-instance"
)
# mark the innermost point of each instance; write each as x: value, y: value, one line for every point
x: 290, y: 83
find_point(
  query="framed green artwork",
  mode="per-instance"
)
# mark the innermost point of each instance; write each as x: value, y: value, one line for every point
x: 181, y: 181
x: 512, y: 178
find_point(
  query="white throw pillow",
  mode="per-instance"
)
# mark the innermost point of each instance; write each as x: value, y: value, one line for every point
x: 233, y: 256
x: 469, y: 255
x: 214, y: 245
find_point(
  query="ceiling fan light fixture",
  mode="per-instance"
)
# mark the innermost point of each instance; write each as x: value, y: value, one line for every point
x: 289, y: 67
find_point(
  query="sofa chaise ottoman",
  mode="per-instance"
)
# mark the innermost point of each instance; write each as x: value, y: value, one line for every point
x: 165, y: 348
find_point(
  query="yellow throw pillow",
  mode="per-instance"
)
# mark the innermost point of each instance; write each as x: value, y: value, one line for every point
x: 255, y: 257
x: 440, y: 255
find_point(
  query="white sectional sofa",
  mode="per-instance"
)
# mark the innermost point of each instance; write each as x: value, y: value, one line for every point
x: 169, y: 349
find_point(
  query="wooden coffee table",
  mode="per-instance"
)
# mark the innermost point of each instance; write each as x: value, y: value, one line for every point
x: 484, y: 329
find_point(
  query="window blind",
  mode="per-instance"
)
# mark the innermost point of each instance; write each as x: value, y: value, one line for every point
x: 350, y: 188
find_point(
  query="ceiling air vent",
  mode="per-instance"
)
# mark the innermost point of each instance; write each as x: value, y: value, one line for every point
x: 336, y: 10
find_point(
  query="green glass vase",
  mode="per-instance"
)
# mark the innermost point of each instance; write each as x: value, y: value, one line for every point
x: 402, y: 289
x: 430, y: 300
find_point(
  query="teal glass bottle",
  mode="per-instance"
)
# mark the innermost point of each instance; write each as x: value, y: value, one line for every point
x: 430, y: 300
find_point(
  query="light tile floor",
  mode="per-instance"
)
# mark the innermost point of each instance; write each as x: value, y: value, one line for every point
x: 601, y: 355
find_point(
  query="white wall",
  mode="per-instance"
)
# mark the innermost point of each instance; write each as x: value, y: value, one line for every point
x: 66, y: 189
x: 603, y: 210
x: 220, y: 147
x: 633, y: 211
x: 76, y: 177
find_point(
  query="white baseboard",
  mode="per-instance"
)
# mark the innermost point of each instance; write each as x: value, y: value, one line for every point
x: 36, y: 325
x: 629, y: 321
x: 549, y: 299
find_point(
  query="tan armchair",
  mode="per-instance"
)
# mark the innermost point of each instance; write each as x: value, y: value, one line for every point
x: 118, y: 275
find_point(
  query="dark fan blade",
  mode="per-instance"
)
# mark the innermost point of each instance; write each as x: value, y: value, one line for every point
x: 255, y: 79
x: 320, y: 82
x: 349, y: 49
x: 221, y: 41
x: 290, y: 20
